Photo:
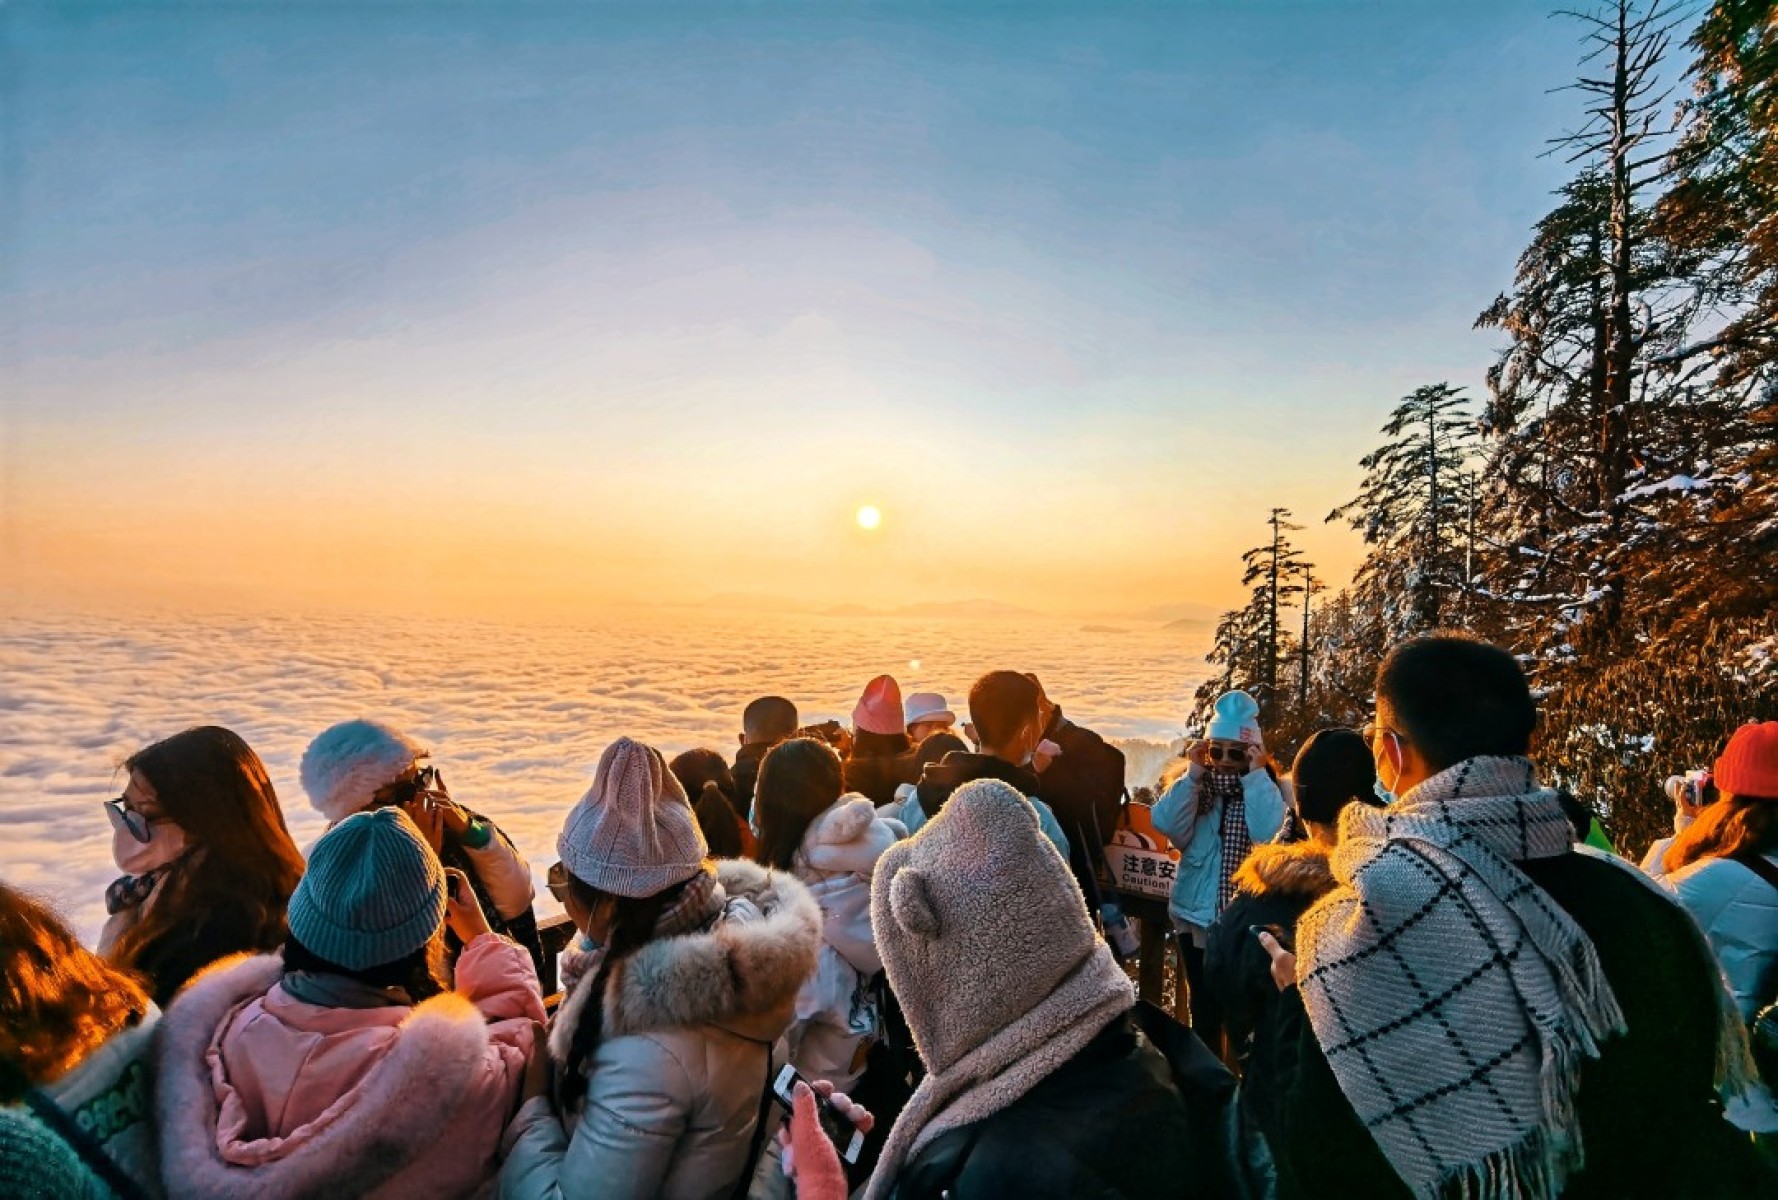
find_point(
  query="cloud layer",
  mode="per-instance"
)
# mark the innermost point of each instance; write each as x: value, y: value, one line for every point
x: 516, y: 716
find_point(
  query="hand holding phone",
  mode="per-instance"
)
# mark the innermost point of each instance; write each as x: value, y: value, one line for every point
x: 463, y: 912
x: 843, y: 1133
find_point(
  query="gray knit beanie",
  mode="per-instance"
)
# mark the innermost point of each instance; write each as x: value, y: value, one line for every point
x: 632, y: 834
x: 977, y: 920
x: 373, y: 892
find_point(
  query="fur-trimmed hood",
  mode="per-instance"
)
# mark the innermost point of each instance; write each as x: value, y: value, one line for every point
x: 1292, y: 869
x: 741, y: 975
x: 382, y: 1124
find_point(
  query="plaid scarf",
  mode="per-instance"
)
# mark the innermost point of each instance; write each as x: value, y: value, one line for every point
x: 1237, y: 843
x: 1455, y: 1002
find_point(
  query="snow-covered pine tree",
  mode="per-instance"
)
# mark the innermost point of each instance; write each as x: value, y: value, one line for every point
x: 1271, y: 571
x: 1413, y: 511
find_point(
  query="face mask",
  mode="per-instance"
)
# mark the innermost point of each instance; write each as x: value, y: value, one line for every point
x: 1387, y: 790
x: 166, y: 842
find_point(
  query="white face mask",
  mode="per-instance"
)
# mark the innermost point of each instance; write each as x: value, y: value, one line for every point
x: 166, y: 842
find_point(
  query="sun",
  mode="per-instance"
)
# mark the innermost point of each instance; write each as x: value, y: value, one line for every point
x: 869, y: 516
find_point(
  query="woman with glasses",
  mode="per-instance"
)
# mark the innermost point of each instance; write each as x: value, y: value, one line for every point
x: 208, y: 865
x: 360, y: 765
x: 1226, y: 803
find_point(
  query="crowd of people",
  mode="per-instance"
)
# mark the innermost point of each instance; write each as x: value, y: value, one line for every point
x: 870, y: 959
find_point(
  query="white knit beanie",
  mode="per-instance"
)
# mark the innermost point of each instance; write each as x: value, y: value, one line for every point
x: 349, y: 763
x: 632, y: 834
x: 1235, y: 719
x: 977, y: 920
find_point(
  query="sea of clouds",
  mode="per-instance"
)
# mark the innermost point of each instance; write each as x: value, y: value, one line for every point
x: 515, y: 715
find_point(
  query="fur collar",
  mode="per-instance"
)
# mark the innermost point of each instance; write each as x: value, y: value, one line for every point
x: 1293, y: 869
x: 741, y: 974
x: 356, y: 1147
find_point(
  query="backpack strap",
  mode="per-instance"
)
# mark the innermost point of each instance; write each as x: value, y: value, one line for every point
x: 1760, y: 865
x: 745, y: 1183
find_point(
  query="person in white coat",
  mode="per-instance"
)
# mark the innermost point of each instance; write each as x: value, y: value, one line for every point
x: 831, y: 841
x: 1723, y: 867
x: 1225, y: 804
x: 664, y: 1049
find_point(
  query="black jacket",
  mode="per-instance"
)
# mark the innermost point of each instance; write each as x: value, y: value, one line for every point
x: 747, y: 760
x: 1275, y: 886
x: 1650, y: 1121
x: 959, y: 767
x: 1107, y: 1124
x: 1084, y: 786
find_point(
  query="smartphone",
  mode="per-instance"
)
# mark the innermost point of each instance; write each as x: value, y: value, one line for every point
x: 844, y: 1135
x: 1278, y: 932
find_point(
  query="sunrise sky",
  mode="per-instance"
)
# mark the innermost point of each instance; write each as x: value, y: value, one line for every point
x: 541, y: 308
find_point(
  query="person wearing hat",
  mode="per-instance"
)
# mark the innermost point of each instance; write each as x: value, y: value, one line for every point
x: 663, y: 1050
x: 1225, y: 804
x: 364, y: 764
x: 1039, y: 1083
x: 347, y: 1066
x: 881, y: 757
x: 1724, y: 865
x: 926, y: 713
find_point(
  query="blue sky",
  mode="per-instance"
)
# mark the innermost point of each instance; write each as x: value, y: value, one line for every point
x: 650, y: 282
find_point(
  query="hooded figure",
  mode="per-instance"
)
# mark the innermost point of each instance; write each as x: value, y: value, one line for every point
x: 1038, y: 1083
x: 667, y: 1043
x: 317, y: 1074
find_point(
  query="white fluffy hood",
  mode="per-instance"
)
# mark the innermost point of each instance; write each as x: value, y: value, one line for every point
x: 849, y: 837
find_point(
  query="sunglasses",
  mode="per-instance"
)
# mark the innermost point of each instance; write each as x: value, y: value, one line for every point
x: 557, y: 880
x: 1232, y: 754
x: 427, y: 781
x: 122, y: 816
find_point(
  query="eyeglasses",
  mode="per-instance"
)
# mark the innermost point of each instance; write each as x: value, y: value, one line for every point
x: 123, y: 816
x: 557, y: 880
x: 1232, y: 754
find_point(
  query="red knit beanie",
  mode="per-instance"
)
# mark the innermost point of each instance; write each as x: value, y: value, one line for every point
x: 1749, y: 765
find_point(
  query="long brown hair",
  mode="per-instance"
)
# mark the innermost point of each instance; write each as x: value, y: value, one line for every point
x: 1733, y: 826
x: 798, y: 781
x: 58, y: 1000
x: 241, y: 860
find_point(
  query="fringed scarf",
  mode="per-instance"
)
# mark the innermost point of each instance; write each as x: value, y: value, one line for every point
x: 1455, y: 1001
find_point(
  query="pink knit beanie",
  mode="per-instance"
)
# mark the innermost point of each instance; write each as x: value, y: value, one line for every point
x: 879, y: 709
x: 632, y: 834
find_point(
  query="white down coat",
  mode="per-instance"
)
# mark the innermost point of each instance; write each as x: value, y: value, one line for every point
x: 837, y: 1016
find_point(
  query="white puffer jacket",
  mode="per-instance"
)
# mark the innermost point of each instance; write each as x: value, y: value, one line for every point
x: 1738, y: 912
x: 836, y: 1014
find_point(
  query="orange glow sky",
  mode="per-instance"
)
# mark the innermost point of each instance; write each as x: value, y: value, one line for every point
x: 322, y: 308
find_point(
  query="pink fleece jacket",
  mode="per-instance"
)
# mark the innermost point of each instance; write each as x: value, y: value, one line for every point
x: 263, y: 1094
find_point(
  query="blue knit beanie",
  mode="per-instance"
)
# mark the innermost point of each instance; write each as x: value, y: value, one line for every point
x: 373, y: 893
